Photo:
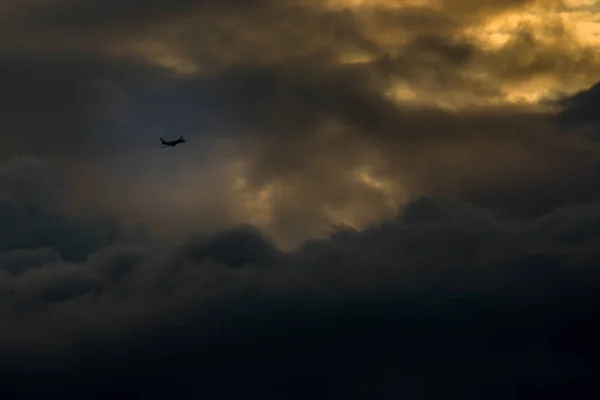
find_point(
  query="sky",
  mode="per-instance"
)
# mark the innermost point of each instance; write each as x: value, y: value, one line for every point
x: 376, y: 199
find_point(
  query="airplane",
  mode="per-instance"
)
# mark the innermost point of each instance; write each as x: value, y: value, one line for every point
x: 171, y: 143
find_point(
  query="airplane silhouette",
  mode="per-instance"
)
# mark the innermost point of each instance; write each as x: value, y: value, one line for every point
x: 171, y: 143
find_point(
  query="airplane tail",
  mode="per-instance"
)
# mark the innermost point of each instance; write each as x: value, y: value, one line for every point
x: 162, y: 140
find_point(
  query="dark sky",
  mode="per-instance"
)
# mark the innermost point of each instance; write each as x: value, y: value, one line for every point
x: 376, y: 200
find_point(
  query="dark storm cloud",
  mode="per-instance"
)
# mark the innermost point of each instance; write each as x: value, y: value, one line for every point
x: 216, y: 34
x: 448, y: 299
x: 251, y: 248
x: 271, y: 81
x: 582, y: 107
x: 66, y: 103
x: 278, y: 116
x: 444, y: 300
x: 34, y: 215
x: 579, y: 112
x: 84, y: 96
x: 72, y: 14
x: 513, y: 160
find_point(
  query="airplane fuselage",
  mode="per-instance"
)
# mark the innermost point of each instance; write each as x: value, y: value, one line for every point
x: 171, y: 143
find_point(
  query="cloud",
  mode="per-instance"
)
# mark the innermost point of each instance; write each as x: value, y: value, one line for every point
x: 66, y: 104
x: 580, y: 107
x: 288, y: 147
x: 457, y: 221
x: 34, y: 215
x: 445, y: 298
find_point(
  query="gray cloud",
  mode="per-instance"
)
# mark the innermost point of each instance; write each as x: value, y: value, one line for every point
x: 296, y: 128
x: 70, y: 104
x: 482, y: 285
x: 35, y: 214
x: 445, y: 293
x: 581, y: 107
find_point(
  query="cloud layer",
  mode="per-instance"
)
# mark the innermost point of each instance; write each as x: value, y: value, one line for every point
x: 375, y: 200
x: 300, y: 113
x: 445, y: 299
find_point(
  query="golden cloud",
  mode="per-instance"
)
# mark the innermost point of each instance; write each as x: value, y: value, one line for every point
x: 341, y: 110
